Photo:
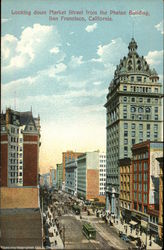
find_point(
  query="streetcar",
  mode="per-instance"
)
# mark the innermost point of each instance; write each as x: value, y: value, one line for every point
x: 89, y: 231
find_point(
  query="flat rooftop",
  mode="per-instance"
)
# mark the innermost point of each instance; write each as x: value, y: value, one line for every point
x: 20, y: 228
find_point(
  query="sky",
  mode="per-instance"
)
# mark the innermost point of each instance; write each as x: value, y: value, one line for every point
x: 62, y: 69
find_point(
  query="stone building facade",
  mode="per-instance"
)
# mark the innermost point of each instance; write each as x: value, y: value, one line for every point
x: 20, y: 142
x: 145, y: 183
x: 125, y: 188
x: 160, y: 223
x: 133, y: 115
x: 71, y: 177
x: 66, y: 157
x: 88, y: 175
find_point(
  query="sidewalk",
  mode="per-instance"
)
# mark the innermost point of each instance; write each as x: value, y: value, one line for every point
x: 54, y: 231
x: 121, y: 227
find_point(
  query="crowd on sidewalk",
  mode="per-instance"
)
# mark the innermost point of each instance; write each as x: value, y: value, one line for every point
x: 53, y: 231
x: 141, y: 239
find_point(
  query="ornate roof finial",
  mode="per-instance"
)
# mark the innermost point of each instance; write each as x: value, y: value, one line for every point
x: 132, y: 46
x: 31, y: 108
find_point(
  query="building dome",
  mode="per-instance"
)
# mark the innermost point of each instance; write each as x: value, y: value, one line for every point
x: 133, y: 63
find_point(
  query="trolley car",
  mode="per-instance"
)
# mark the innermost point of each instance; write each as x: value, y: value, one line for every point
x: 89, y: 231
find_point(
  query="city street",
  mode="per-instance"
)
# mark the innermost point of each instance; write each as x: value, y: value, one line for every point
x: 106, y: 237
x: 60, y: 218
x: 71, y: 226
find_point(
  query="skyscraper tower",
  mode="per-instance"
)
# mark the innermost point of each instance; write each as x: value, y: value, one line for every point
x: 20, y: 141
x: 133, y: 115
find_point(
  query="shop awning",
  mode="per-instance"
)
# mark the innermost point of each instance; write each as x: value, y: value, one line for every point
x: 133, y: 223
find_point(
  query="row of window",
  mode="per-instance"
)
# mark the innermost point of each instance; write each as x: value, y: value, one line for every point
x: 133, y: 109
x: 140, y: 207
x: 141, y: 166
x: 125, y: 196
x: 14, y: 130
x: 103, y: 169
x: 102, y: 179
x: 141, y: 156
x: 140, y: 99
x: 140, y: 177
x: 141, y: 187
x: 136, y: 78
x: 133, y: 134
x: 102, y: 156
x: 125, y: 178
x: 102, y: 184
x: 140, y: 89
x: 140, y: 197
x: 14, y: 139
x: 140, y: 126
x: 125, y: 169
x: 15, y: 174
x: 101, y: 175
x: 15, y: 168
x: 140, y: 117
x: 14, y: 147
x: 16, y: 155
x: 102, y: 193
x: 16, y: 181
x: 16, y: 161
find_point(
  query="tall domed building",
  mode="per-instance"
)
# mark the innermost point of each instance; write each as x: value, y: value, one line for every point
x: 133, y: 115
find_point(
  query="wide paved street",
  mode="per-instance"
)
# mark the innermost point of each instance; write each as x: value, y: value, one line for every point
x: 71, y: 224
x: 106, y: 236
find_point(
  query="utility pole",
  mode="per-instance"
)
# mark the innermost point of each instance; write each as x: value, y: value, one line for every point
x: 64, y: 236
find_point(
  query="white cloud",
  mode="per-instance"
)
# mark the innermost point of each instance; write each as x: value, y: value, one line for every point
x: 159, y: 27
x: 71, y: 33
x: 154, y: 57
x: 58, y: 68
x: 68, y: 44
x: 33, y: 44
x: 5, y: 20
x: 111, y: 53
x: 8, y: 44
x: 32, y: 38
x: 23, y: 86
x: 97, y: 83
x: 76, y: 61
x: 54, y: 50
x: 91, y: 28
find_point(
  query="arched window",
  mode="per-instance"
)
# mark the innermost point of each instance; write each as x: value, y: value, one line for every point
x: 148, y: 110
x: 140, y: 109
x: 133, y: 109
